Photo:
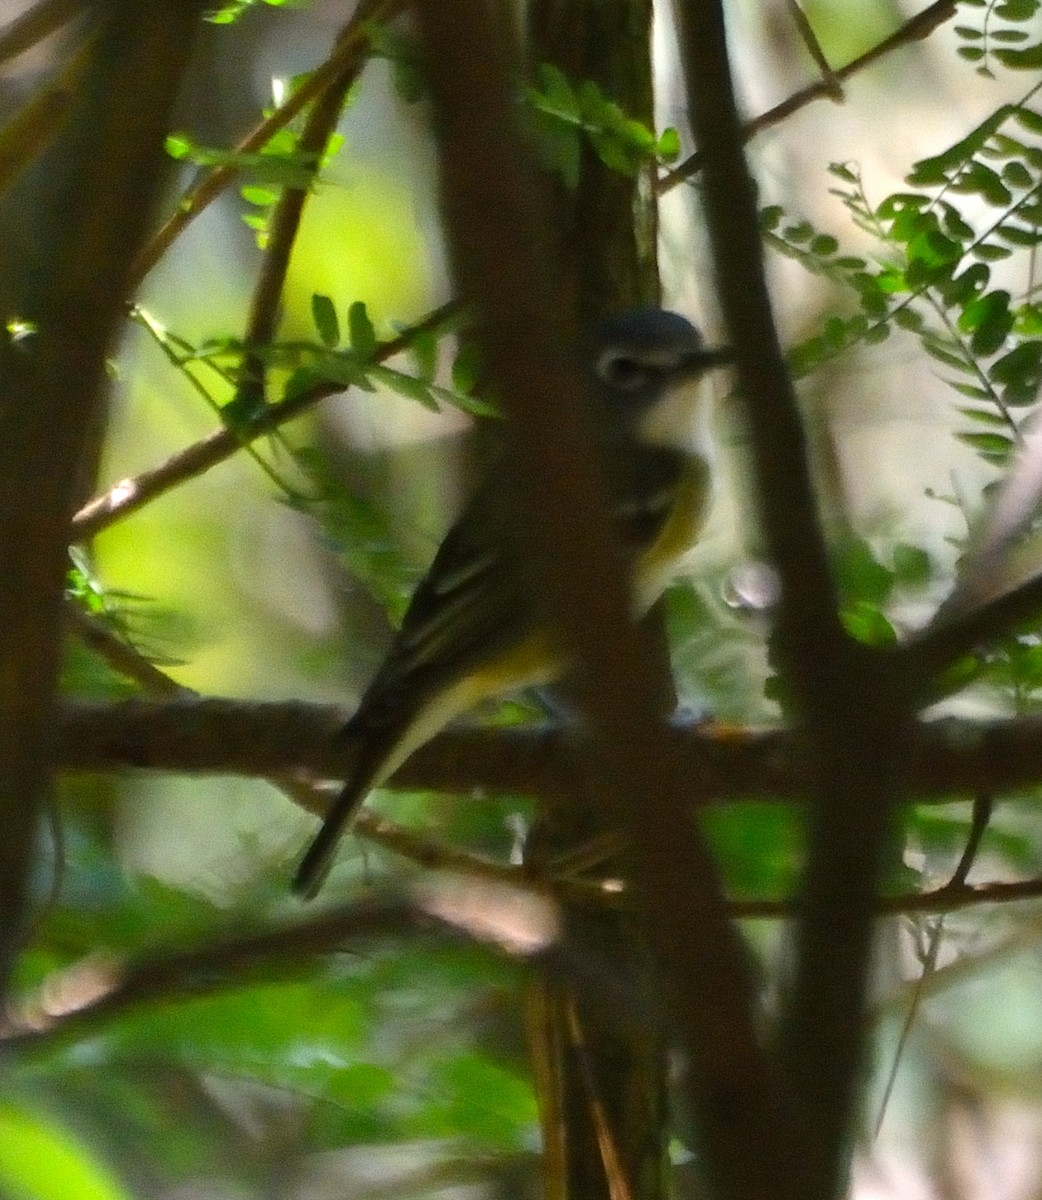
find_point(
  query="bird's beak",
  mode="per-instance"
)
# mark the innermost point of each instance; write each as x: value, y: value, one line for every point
x: 708, y: 359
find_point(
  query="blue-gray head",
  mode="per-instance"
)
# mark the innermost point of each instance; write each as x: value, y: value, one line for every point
x: 637, y: 357
x: 644, y: 348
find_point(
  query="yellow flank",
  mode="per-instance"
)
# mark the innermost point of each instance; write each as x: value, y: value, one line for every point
x: 526, y: 665
x: 656, y: 566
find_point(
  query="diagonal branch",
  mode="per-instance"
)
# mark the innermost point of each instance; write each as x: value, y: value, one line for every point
x: 129, y: 495
x: 913, y: 30
x: 36, y: 23
x: 285, y: 221
x: 347, y: 56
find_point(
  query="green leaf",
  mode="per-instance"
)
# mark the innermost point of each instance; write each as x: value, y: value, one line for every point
x: 824, y: 244
x: 947, y: 354
x: 341, y: 367
x: 909, y: 318
x: 844, y: 172
x: 1028, y: 59
x: 323, y: 313
x: 1016, y: 10
x: 467, y: 367
x: 960, y: 289
x: 934, y: 172
x: 955, y: 226
x: 799, y: 233
x: 1030, y: 119
x: 361, y: 331
x: 982, y: 416
x: 1021, y: 363
x: 995, y: 444
x: 406, y: 385
x: 1017, y: 175
x: 255, y: 193
x: 557, y: 93
x: 40, y: 1161
x: 1017, y: 235
x: 989, y: 321
x: 989, y: 252
x: 860, y: 574
x: 495, y: 1106
x: 423, y: 346
x: 668, y: 147
x: 912, y: 565
x: 867, y: 624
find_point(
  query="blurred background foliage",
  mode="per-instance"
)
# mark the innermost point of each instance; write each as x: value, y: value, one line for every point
x: 402, y: 1067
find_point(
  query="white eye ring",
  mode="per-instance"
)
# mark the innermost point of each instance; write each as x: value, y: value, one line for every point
x: 622, y: 371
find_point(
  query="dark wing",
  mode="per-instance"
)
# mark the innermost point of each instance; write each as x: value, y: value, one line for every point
x: 469, y: 609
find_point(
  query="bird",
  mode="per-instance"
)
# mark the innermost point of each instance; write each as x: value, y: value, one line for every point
x: 471, y: 631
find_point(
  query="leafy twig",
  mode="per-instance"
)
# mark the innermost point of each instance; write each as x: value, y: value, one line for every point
x: 129, y: 495
x: 346, y: 56
x: 99, y: 989
x: 285, y: 221
x: 99, y: 636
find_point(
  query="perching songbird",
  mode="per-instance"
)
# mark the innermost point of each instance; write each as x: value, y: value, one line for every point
x: 470, y: 631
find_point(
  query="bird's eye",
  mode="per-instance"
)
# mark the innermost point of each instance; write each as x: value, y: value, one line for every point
x: 622, y: 372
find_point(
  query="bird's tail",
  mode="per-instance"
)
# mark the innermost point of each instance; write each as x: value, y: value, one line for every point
x: 318, y: 859
x: 370, y: 768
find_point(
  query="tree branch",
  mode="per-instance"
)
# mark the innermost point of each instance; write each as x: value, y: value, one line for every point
x: 848, y: 696
x: 946, y: 760
x: 914, y: 29
x: 36, y: 23
x: 102, y: 184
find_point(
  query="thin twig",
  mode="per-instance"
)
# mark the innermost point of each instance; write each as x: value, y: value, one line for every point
x: 915, y: 29
x: 940, y: 646
x: 810, y: 40
x: 76, y: 1000
x: 32, y: 26
x: 34, y: 126
x: 99, y: 636
x: 100, y: 989
x: 945, y: 899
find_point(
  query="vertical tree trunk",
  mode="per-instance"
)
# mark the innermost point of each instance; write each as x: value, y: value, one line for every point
x: 608, y: 226
x: 601, y: 1077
